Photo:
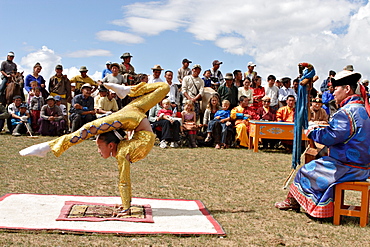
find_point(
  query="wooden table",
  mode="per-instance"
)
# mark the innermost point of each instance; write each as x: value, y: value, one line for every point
x: 270, y: 130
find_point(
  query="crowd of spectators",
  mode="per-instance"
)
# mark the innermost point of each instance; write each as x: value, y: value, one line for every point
x: 212, y: 109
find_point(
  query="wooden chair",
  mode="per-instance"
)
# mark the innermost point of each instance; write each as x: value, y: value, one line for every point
x: 349, y: 210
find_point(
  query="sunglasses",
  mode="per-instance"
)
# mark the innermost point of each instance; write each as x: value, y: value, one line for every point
x: 267, y: 101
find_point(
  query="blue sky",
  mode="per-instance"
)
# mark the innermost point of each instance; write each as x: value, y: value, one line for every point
x: 276, y: 35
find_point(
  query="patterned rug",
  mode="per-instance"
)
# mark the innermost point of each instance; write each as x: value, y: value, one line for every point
x: 84, y: 211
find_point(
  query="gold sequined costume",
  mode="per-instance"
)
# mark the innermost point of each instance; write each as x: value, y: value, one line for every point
x: 128, y: 118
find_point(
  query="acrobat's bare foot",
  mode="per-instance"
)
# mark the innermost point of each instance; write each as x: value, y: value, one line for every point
x: 121, y: 212
x: 120, y: 90
x: 124, y: 213
x: 39, y: 150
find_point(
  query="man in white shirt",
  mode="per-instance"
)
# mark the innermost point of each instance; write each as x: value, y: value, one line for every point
x: 155, y: 77
x: 285, y: 91
x: 193, y: 87
x: 272, y: 91
x: 173, y: 94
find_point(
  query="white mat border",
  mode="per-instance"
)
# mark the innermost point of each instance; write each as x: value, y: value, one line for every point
x: 159, y: 213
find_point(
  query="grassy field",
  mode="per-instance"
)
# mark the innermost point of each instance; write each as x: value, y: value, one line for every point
x: 237, y: 186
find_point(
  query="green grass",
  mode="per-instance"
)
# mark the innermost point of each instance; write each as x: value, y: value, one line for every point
x: 237, y: 186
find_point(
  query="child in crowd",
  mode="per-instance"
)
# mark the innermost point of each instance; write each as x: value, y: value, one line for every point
x: 19, y: 124
x: 189, y: 122
x: 207, y: 78
x: 166, y: 112
x: 36, y: 104
x: 170, y: 127
x: 31, y: 93
x: 222, y: 116
x: 58, y: 102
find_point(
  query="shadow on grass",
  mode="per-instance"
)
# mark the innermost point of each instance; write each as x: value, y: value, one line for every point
x: 320, y: 220
x: 228, y: 211
x: 345, y: 220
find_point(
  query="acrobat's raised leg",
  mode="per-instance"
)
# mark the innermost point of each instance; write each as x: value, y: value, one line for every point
x: 128, y: 118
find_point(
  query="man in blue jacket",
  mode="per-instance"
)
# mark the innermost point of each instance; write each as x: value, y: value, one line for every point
x: 82, y: 108
x: 346, y: 137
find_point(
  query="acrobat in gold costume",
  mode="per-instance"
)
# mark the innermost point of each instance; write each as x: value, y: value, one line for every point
x: 128, y: 118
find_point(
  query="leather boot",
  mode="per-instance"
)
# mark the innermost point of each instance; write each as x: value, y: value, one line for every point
x: 288, y: 203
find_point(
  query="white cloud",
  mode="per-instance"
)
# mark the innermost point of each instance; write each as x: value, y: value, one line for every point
x: 278, y: 34
x: 232, y: 45
x: 153, y: 17
x: 90, y: 53
x: 46, y: 57
x: 71, y: 72
x: 119, y: 37
x: 48, y: 60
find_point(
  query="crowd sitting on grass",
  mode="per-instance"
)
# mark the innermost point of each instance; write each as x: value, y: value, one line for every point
x: 231, y: 101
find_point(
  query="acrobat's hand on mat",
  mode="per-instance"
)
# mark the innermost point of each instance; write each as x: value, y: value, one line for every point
x: 121, y: 90
x: 36, y: 150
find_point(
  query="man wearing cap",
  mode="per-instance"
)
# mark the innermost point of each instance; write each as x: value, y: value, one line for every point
x: 318, y: 114
x: 22, y: 122
x: 81, y: 79
x: 216, y: 75
x: 107, y: 70
x: 125, y: 67
x: 193, y: 87
x: 60, y: 85
x: 184, y: 70
x: 103, y: 92
x: 155, y: 77
x: 348, y: 160
x: 228, y: 91
x: 51, y: 119
x: 6, y: 69
x: 250, y: 73
x: 12, y: 109
x: 82, y: 108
